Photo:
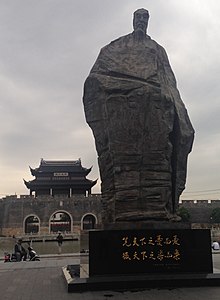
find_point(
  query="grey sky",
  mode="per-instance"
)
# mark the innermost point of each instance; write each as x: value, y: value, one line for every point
x: 47, y: 48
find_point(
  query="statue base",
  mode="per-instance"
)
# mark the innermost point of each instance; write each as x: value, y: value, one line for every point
x: 153, y: 256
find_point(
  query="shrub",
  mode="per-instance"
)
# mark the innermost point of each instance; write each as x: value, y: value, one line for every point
x: 184, y: 214
x: 215, y: 215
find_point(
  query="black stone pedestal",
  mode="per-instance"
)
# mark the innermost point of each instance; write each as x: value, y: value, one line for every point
x: 169, y: 251
x: 144, y: 258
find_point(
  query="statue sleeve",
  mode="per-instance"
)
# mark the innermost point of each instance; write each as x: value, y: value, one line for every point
x: 183, y: 132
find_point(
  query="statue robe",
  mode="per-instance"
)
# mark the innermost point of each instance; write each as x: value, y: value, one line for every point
x: 142, y: 131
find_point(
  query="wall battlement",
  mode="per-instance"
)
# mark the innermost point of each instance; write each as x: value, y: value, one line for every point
x: 203, y: 202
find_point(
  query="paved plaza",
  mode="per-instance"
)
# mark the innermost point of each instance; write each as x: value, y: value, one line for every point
x: 44, y: 280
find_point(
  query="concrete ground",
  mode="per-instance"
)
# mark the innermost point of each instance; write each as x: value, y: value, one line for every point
x: 44, y: 280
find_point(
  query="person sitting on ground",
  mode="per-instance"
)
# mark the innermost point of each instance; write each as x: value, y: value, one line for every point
x: 215, y: 245
x: 20, y: 251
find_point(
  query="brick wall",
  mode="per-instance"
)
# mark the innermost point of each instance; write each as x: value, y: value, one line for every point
x: 14, y: 211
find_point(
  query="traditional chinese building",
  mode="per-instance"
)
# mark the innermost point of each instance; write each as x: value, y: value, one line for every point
x: 54, y: 177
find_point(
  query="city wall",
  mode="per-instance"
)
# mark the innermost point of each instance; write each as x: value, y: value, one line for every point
x: 14, y: 210
x: 200, y: 210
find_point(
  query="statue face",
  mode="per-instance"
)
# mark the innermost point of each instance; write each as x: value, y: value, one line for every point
x: 140, y: 22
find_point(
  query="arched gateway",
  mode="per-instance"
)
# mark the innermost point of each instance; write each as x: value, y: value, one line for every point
x: 31, y: 225
x: 60, y: 221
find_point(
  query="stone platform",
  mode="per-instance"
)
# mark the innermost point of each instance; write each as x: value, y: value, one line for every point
x: 80, y: 282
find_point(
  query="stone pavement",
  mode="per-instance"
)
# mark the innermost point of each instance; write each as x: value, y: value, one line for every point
x: 44, y: 280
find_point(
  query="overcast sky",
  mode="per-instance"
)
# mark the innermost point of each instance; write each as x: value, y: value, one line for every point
x: 47, y: 48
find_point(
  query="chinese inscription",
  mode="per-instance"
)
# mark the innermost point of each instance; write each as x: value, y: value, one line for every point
x: 156, y: 248
x: 149, y: 251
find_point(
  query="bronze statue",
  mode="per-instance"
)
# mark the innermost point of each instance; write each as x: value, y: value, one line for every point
x: 142, y: 131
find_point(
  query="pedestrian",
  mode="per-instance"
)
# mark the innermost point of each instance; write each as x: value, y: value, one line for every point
x: 60, y: 241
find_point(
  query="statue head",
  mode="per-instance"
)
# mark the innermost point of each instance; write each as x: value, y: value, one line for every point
x: 140, y: 21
